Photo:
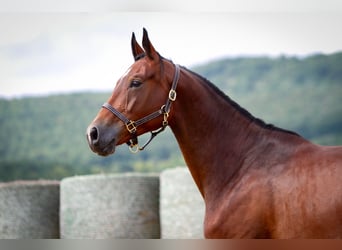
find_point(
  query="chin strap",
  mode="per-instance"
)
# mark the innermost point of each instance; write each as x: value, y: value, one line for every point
x: 131, y: 126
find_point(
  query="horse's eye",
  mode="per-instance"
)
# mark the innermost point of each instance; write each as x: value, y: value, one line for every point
x: 135, y: 83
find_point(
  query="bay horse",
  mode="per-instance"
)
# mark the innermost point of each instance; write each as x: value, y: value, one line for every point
x: 257, y: 180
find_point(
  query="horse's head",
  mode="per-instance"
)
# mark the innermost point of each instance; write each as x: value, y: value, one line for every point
x: 140, y: 102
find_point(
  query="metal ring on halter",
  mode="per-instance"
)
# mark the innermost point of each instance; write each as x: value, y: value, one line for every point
x: 134, y: 148
x: 165, y: 122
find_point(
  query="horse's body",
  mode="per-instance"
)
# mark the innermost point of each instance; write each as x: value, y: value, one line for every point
x: 257, y: 181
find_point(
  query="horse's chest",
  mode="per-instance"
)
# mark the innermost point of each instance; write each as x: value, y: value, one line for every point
x: 241, y: 218
x: 237, y: 225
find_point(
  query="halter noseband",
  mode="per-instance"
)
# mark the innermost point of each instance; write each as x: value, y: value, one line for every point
x: 131, y: 126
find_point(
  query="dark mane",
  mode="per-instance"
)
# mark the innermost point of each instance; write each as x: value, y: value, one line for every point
x: 242, y: 111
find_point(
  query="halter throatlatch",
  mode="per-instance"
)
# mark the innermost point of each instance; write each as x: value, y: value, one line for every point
x: 131, y: 126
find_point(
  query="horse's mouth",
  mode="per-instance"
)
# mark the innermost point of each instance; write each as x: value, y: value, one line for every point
x: 110, y: 149
x: 106, y: 150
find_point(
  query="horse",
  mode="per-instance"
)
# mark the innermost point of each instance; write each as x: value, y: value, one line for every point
x: 257, y: 180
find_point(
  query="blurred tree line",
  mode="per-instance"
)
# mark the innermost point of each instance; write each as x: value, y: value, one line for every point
x: 44, y: 137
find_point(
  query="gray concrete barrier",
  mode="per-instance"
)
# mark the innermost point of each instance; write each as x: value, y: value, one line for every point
x: 181, y: 205
x: 110, y: 206
x: 29, y: 210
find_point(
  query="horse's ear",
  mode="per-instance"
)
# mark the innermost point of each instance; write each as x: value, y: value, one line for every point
x: 137, y: 51
x: 149, y: 49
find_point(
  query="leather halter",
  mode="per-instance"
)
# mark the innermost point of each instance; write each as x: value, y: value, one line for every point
x: 131, y: 126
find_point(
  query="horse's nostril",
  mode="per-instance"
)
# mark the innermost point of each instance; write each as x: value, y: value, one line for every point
x: 94, y: 135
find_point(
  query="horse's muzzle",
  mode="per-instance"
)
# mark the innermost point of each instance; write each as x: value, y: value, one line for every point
x: 101, y: 140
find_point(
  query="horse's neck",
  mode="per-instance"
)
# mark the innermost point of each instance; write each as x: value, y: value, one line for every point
x: 214, y: 136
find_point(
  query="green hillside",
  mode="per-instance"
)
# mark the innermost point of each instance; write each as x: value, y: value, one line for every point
x: 45, y: 137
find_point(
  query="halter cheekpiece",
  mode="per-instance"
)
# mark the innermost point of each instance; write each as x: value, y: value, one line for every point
x: 131, y: 126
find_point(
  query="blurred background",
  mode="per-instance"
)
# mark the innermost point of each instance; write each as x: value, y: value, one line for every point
x: 57, y: 68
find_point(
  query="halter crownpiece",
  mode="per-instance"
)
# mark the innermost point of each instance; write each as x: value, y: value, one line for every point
x: 131, y: 126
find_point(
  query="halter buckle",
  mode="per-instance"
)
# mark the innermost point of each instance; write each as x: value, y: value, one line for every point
x: 172, y: 95
x: 130, y: 126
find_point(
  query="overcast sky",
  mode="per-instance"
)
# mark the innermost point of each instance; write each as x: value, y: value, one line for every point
x: 58, y: 52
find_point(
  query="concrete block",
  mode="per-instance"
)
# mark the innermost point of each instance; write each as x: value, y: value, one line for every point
x: 110, y: 206
x: 29, y: 210
x: 181, y: 205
